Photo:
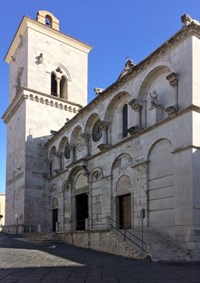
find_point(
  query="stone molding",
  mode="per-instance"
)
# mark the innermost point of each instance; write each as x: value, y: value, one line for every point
x: 183, y: 148
x: 13, y: 107
x: 38, y: 97
x: 103, y: 147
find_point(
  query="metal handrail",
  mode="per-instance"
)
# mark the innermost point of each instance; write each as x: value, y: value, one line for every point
x: 123, y: 231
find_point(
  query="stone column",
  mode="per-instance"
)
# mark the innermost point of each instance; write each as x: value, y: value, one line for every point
x: 173, y: 81
x: 86, y: 138
x: 103, y: 128
x: 137, y: 108
x: 58, y: 86
x: 72, y: 153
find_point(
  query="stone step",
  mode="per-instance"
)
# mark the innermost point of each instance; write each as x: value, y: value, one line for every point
x: 161, y: 246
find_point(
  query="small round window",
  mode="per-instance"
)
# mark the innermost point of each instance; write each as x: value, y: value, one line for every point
x: 96, y: 131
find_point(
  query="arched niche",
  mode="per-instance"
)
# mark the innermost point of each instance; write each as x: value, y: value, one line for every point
x: 77, y: 142
x: 155, y: 84
x: 64, y: 151
x: 121, y: 165
x: 115, y: 116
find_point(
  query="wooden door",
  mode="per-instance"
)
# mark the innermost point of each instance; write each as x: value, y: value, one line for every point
x: 125, y: 211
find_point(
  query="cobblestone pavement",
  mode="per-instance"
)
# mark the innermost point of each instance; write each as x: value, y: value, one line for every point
x: 25, y: 262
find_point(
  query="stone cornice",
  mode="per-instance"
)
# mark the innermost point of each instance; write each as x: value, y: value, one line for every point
x: 183, y: 148
x: 15, y: 104
x: 40, y: 97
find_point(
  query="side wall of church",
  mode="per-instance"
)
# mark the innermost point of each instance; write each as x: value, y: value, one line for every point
x: 150, y: 169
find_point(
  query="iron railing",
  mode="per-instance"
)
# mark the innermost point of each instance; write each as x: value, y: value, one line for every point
x: 128, y: 236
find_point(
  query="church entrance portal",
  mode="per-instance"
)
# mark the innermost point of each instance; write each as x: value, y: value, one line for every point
x: 54, y: 219
x: 81, y: 211
x: 125, y: 211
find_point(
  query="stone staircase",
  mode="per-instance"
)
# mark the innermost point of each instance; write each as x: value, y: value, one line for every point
x: 104, y: 241
x: 161, y: 247
x: 100, y: 240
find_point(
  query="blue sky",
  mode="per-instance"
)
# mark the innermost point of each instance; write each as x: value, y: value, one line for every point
x: 115, y: 28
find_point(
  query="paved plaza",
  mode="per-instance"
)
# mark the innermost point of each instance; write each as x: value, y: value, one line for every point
x: 26, y: 262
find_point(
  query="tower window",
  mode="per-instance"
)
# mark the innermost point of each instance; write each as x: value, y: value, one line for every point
x: 48, y: 21
x: 124, y: 121
x: 53, y: 85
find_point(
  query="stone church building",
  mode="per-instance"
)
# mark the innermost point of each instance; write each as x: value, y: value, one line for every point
x: 128, y: 159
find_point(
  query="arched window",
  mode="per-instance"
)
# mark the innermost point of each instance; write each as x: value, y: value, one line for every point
x: 63, y: 88
x: 48, y: 21
x: 53, y: 84
x: 124, y: 120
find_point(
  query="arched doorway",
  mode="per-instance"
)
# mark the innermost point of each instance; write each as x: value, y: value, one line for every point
x: 80, y: 199
x: 124, y: 202
x: 81, y: 211
x: 55, y: 215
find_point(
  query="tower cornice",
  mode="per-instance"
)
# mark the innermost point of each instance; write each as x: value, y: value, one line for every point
x: 38, y: 97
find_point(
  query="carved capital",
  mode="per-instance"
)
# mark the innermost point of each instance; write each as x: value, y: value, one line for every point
x: 171, y: 110
x: 172, y: 79
x: 135, y: 105
x: 103, y: 125
x: 133, y: 130
x: 103, y: 146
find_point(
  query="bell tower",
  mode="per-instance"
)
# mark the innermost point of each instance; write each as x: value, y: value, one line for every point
x: 48, y: 84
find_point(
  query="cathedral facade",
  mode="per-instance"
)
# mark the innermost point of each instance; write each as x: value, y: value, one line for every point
x: 131, y: 156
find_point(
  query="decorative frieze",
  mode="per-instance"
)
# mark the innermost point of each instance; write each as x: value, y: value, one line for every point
x: 37, y: 97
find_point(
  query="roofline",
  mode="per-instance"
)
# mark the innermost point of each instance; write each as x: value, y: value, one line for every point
x: 27, y: 22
